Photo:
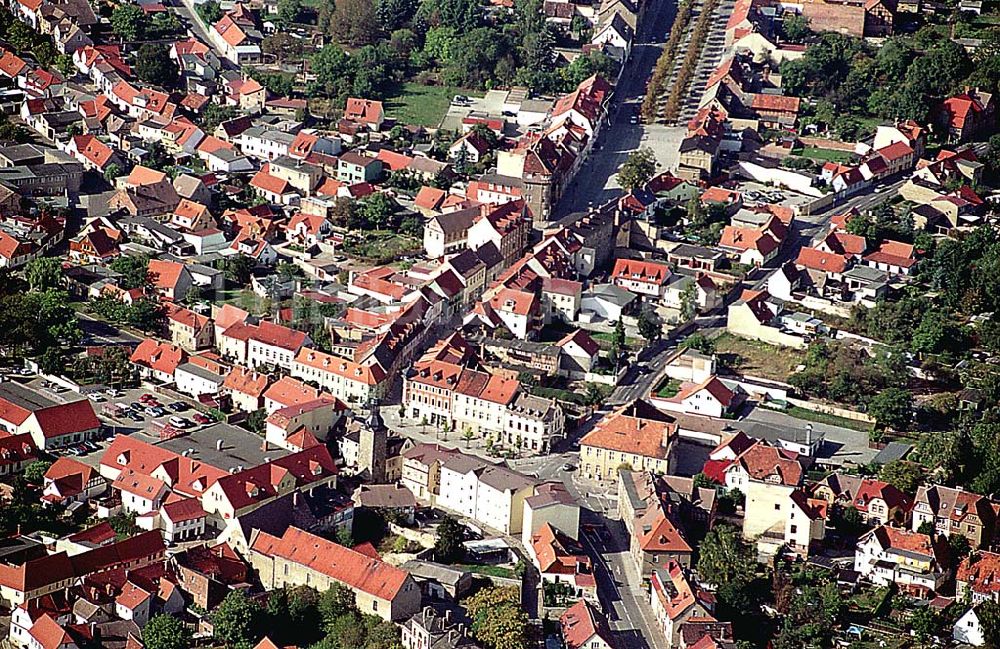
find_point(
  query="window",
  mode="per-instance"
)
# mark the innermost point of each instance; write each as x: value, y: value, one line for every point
x: 777, y: 506
x: 794, y: 528
x: 375, y: 605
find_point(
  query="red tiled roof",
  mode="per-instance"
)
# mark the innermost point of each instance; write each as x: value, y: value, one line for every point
x: 814, y: 259
x: 344, y: 565
x: 161, y: 357
x: 260, y: 483
x: 641, y: 271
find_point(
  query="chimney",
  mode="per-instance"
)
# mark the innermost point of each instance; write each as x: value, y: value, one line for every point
x: 809, y: 434
x: 447, y: 616
x: 263, y: 445
x: 218, y: 444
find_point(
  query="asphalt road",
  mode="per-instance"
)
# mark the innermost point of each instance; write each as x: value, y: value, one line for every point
x: 595, y: 183
x: 104, y: 333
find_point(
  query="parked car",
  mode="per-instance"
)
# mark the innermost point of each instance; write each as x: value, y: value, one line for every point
x: 96, y: 397
x: 179, y: 422
x: 178, y: 406
x: 201, y: 419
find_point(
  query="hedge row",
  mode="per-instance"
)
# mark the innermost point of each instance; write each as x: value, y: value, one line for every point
x: 665, y: 63
x: 672, y: 108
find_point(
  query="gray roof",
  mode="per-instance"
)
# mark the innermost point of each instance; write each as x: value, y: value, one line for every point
x: 610, y: 292
x: 428, y: 570
x: 892, y: 451
x: 503, y: 479
x: 868, y: 274
x: 240, y: 448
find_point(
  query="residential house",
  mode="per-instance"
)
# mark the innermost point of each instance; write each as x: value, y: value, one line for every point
x: 912, y: 561
x: 955, y: 511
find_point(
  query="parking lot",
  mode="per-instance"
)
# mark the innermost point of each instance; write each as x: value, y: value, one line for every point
x: 126, y: 412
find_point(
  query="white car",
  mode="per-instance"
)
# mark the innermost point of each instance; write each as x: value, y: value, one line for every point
x: 179, y: 422
x: 95, y: 397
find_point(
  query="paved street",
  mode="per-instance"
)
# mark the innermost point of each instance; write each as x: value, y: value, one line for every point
x: 596, y: 182
x: 627, y: 605
x: 103, y: 333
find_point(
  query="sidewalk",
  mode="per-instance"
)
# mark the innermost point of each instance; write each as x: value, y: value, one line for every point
x: 431, y: 434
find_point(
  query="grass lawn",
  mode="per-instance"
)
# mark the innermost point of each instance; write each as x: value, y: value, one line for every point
x: 421, y: 105
x: 824, y: 155
x: 490, y: 571
x: 380, y: 246
x: 824, y: 418
x: 603, y: 339
x: 669, y: 388
x: 757, y: 358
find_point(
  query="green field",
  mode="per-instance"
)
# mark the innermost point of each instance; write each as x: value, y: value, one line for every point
x: 421, y: 105
x: 824, y: 155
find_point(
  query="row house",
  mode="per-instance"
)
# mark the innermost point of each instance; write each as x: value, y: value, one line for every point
x: 489, y: 494
x: 878, y: 502
x: 48, y: 574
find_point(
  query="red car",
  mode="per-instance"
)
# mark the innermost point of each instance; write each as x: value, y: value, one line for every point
x: 201, y: 419
x: 146, y: 398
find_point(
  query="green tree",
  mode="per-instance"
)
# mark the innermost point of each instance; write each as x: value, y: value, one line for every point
x: 123, y: 523
x: 498, y: 620
x: 637, y: 169
x: 52, y: 361
x: 375, y: 211
x: 134, y: 270
x: 703, y: 481
x: 288, y: 11
x: 727, y: 561
x: 989, y: 621
x: 905, y: 476
x: 689, y: 301
x: 394, y: 14
x: 238, y: 268
x: 450, y: 535
x: 892, y: 408
x: 255, y: 420
x: 795, y: 28
x: 128, y: 22
x: 112, y: 171
x: 334, y: 73
x: 35, y: 472
x: 210, y: 11
x: 354, y: 23
x: 335, y: 602
x: 650, y: 324
x: 43, y: 273
x: 165, y: 631
x: 153, y: 65
x: 237, y: 619
x: 618, y: 342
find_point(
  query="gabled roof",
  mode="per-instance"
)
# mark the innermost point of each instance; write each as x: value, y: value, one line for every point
x: 357, y: 571
x: 582, y: 622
